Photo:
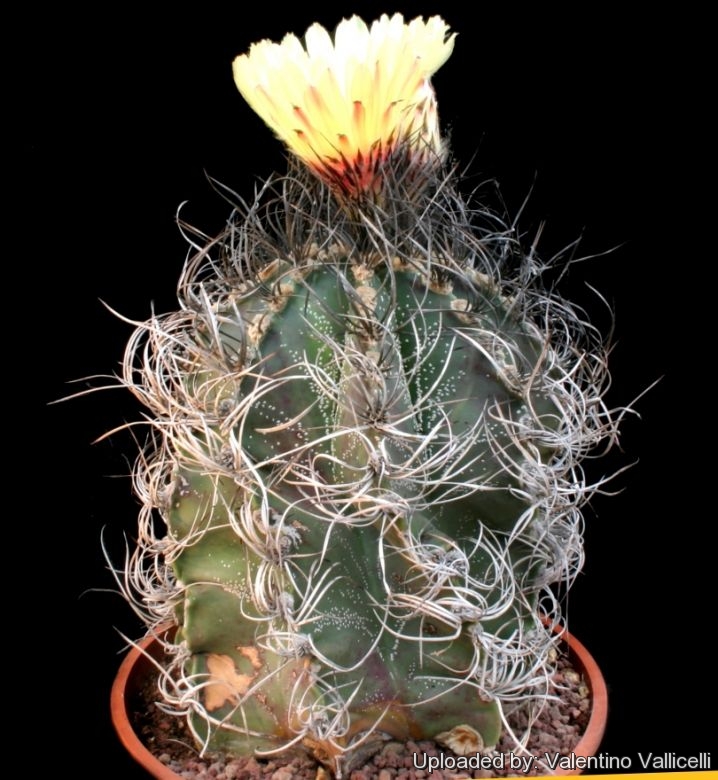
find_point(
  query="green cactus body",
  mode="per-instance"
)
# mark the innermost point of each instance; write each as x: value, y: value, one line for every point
x: 353, y: 445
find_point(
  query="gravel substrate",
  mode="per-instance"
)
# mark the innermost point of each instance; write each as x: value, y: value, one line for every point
x: 557, y: 730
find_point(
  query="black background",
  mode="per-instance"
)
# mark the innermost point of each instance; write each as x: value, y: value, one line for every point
x: 121, y: 115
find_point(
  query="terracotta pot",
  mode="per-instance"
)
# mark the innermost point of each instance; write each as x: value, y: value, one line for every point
x: 137, y: 666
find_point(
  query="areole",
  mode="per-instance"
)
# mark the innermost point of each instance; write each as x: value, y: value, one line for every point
x: 139, y: 664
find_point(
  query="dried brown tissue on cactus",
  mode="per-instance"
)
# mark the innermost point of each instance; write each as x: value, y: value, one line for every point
x: 367, y: 423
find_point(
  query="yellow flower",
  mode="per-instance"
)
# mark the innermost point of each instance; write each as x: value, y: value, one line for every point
x: 345, y: 105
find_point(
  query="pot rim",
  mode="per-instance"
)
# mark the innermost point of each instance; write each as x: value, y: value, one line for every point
x: 142, y: 655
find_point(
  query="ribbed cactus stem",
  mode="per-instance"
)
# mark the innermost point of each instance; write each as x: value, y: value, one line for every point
x: 367, y: 435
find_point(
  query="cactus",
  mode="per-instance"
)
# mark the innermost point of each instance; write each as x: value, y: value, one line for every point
x: 361, y: 501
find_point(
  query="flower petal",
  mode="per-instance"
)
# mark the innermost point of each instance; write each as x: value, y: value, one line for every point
x: 341, y: 104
